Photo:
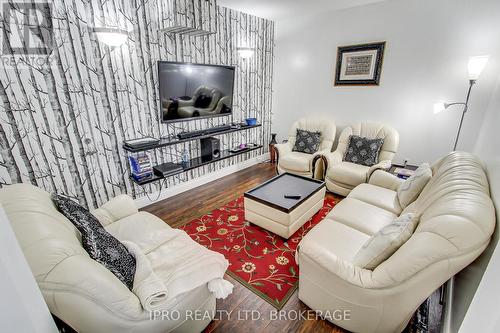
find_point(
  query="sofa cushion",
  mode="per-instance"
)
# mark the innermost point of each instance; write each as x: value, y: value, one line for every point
x: 377, y: 196
x: 307, y: 141
x: 146, y: 230
x: 362, y: 216
x: 348, y: 173
x: 384, y: 243
x: 409, y: 190
x: 362, y: 150
x: 335, y: 237
x: 100, y: 245
x: 296, y: 161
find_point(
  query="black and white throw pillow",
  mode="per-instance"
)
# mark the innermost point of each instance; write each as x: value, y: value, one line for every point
x: 100, y: 245
x: 362, y: 150
x: 307, y: 142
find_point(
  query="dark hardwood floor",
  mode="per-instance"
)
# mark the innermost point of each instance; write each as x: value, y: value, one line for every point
x: 184, y: 207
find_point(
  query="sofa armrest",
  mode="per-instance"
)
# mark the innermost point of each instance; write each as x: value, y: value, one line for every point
x: 385, y: 179
x: 281, y: 150
x: 115, y: 209
x: 332, y: 159
x: 382, y: 165
x: 344, y: 269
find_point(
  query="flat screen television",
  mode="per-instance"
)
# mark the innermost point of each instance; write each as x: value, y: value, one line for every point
x: 191, y: 91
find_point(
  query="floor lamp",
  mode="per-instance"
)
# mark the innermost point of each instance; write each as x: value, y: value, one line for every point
x: 475, y: 67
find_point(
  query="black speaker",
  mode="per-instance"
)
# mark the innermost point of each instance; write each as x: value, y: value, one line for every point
x: 210, y: 148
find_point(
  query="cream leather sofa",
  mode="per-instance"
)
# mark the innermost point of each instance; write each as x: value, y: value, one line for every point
x: 77, y: 289
x: 341, y: 177
x: 457, y: 219
x: 302, y: 164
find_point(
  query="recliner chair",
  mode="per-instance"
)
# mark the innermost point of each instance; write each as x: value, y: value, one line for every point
x: 302, y: 164
x: 341, y: 177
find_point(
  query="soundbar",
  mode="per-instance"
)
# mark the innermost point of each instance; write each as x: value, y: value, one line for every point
x: 212, y: 130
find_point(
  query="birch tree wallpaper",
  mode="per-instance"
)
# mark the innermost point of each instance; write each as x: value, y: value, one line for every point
x: 64, y: 116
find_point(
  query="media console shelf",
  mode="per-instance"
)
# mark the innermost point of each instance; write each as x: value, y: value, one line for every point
x: 194, y: 162
x: 174, y: 141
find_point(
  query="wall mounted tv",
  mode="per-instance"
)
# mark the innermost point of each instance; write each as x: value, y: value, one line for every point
x: 191, y: 91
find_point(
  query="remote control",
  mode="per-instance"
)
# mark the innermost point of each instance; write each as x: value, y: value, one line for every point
x: 287, y: 196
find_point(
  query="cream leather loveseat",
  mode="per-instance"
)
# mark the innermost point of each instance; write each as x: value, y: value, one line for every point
x: 76, y: 288
x: 457, y: 218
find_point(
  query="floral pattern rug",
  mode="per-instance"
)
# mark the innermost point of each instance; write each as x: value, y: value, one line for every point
x: 260, y: 260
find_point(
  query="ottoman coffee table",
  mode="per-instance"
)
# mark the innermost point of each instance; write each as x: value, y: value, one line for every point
x: 270, y: 207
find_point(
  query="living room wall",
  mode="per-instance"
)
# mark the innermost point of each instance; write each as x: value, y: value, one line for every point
x: 425, y: 61
x: 483, y: 310
x: 64, y: 120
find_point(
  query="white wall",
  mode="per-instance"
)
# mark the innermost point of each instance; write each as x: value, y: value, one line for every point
x: 483, y: 311
x: 22, y: 307
x: 428, y: 45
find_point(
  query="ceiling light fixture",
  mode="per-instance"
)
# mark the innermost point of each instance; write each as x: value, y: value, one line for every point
x: 111, y: 36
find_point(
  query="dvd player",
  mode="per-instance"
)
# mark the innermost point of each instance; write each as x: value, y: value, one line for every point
x: 167, y: 169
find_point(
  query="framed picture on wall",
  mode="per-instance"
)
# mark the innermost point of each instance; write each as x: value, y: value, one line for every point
x: 359, y: 64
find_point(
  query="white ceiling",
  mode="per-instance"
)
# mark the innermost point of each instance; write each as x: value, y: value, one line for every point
x: 284, y: 9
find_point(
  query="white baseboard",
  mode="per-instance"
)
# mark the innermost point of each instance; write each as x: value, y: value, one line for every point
x: 193, y: 183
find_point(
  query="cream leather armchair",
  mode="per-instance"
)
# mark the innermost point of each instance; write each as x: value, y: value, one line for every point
x: 77, y: 289
x: 308, y: 165
x: 457, y: 219
x: 341, y: 177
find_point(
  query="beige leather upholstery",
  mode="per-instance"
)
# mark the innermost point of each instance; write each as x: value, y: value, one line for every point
x: 76, y: 288
x: 341, y: 177
x: 457, y: 219
x: 308, y: 165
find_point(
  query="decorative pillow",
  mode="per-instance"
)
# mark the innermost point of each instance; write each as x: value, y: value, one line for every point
x: 202, y: 101
x: 386, y: 242
x: 100, y: 245
x: 307, y: 142
x: 362, y: 150
x: 409, y: 190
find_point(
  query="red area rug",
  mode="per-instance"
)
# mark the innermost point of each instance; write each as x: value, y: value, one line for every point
x: 260, y: 260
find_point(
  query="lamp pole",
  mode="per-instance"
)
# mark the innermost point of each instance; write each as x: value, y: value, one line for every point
x: 466, y: 106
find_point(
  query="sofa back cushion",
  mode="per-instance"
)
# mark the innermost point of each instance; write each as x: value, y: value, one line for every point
x: 372, y: 131
x: 457, y: 219
x: 385, y: 242
x: 410, y: 189
x: 325, y: 126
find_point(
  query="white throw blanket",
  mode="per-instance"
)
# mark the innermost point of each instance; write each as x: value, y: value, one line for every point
x: 150, y: 290
x: 175, y: 266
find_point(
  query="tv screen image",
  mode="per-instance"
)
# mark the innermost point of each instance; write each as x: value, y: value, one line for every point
x: 190, y: 91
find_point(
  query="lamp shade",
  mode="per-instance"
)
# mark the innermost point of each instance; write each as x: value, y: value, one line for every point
x: 439, y: 107
x: 476, y: 66
x: 111, y: 36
